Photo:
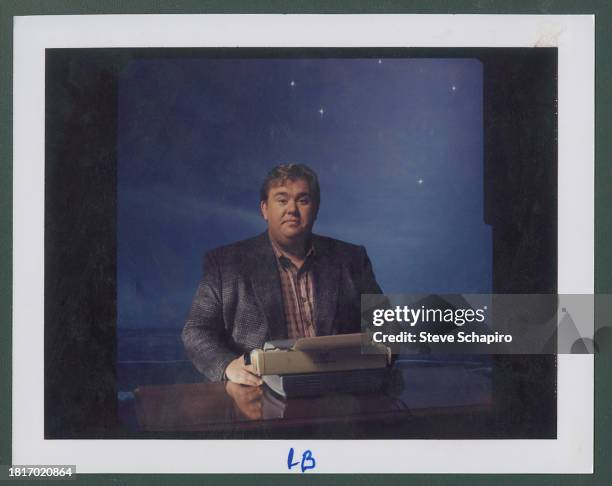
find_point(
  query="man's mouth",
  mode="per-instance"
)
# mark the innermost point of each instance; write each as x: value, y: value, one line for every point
x: 292, y: 221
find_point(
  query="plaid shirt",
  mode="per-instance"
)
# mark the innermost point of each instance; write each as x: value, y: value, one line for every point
x: 297, y: 287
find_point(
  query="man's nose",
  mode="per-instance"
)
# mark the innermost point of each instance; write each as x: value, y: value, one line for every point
x: 292, y: 207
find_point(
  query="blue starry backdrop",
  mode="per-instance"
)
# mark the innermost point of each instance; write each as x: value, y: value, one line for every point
x: 397, y: 145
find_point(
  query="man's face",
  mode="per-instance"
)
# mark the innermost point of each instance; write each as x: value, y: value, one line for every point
x: 289, y: 211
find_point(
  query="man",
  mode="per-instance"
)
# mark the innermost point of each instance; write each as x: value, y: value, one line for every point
x: 284, y: 283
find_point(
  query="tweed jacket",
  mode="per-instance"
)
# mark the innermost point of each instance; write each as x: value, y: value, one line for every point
x: 238, y: 303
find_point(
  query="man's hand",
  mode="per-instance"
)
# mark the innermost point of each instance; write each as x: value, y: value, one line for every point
x: 238, y: 372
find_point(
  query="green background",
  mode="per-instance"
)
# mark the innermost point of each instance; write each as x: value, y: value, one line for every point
x: 602, y: 9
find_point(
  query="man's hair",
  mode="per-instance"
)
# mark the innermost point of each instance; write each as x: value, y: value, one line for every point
x: 281, y: 173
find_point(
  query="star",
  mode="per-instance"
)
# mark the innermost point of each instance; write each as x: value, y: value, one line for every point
x: 420, y: 181
x: 321, y: 111
x: 454, y: 88
x: 292, y: 83
x: 380, y: 61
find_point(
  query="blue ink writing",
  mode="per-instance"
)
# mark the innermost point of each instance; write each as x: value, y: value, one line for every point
x: 307, y: 462
x: 290, y: 462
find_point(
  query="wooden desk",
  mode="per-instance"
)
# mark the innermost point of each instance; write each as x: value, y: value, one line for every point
x: 420, y: 401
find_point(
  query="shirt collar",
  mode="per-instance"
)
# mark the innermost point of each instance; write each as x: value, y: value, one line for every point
x: 282, y: 257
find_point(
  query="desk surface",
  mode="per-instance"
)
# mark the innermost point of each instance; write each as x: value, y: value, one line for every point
x: 446, y: 394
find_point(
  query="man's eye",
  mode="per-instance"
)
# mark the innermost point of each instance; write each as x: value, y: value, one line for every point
x: 304, y: 200
x: 282, y: 201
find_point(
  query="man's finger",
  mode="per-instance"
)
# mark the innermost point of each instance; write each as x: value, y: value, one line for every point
x: 250, y: 379
x: 249, y: 368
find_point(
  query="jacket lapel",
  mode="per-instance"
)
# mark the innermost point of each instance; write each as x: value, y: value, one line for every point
x: 267, y: 287
x: 326, y: 273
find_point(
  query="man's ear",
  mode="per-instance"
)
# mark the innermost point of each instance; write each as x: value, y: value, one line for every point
x: 263, y: 207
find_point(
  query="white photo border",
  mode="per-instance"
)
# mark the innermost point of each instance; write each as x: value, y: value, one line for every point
x: 571, y: 452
